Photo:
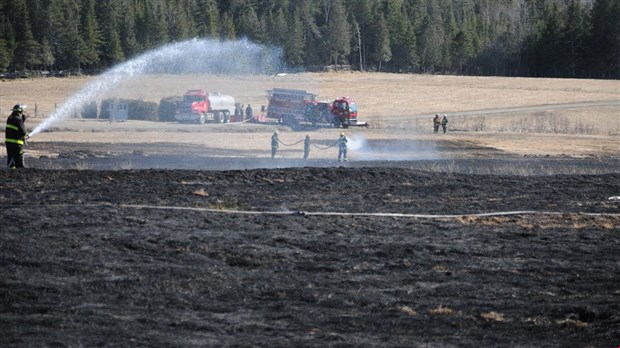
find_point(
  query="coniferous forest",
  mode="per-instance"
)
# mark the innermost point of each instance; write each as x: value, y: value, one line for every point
x: 538, y: 38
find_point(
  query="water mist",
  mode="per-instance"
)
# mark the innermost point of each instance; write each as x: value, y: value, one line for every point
x: 188, y: 57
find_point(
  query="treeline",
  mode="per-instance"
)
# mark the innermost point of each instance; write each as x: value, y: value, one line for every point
x: 553, y: 38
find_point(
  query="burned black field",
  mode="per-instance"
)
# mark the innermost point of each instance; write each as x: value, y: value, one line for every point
x: 302, y: 257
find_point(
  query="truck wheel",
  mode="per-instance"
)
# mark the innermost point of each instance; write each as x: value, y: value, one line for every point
x: 226, y: 117
x: 217, y: 117
x: 202, y: 119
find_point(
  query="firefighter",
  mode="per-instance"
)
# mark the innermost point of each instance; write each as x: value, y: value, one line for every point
x: 436, y: 123
x: 248, y: 112
x: 444, y: 123
x: 15, y: 137
x: 306, y: 147
x: 275, y: 144
x: 342, y: 148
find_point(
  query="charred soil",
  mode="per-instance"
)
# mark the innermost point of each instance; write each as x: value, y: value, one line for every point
x: 301, y: 257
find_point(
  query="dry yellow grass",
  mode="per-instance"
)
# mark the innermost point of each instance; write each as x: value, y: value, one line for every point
x: 441, y: 310
x: 395, y: 104
x: 492, y: 316
x: 408, y: 310
x: 378, y: 94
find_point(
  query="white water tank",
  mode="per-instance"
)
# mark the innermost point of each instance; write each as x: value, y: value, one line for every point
x: 222, y: 102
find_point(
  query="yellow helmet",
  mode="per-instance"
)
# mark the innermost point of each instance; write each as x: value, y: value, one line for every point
x: 342, y: 134
x: 275, y: 132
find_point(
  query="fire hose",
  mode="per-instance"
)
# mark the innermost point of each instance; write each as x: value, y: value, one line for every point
x: 311, y: 143
x: 241, y: 122
x: 324, y: 148
x: 306, y: 213
x: 281, y: 142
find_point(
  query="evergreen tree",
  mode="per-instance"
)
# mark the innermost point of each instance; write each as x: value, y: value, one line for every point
x: 381, y: 46
x: 430, y: 45
x: 572, y: 39
x: 7, y: 37
x: 549, y: 44
x: 337, y: 34
x: 603, y: 45
x: 277, y: 27
x: 26, y: 49
x: 65, y: 33
x: 158, y: 24
x: 179, y: 20
x: 112, y: 50
x: 249, y: 25
x: 46, y: 54
x: 5, y: 55
x: 38, y: 12
x: 312, y: 35
x: 361, y: 19
x: 228, y: 28
x: 129, y: 32
x: 91, y: 35
x: 207, y: 18
x: 461, y: 50
x: 401, y: 37
x: 294, y: 41
x: 532, y: 37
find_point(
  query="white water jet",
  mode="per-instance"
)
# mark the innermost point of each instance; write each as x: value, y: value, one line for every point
x: 193, y: 56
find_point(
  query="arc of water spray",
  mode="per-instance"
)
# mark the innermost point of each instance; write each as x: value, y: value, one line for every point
x: 192, y: 56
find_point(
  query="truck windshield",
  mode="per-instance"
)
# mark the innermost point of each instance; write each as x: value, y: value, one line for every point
x: 192, y: 98
x: 352, y: 107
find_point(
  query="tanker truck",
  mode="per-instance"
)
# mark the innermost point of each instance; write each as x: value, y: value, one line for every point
x: 293, y: 107
x: 200, y: 107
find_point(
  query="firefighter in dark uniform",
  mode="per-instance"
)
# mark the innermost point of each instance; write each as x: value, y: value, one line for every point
x: 15, y: 138
x: 248, y: 112
x: 342, y: 148
x: 275, y: 144
x: 436, y: 123
x: 306, y: 147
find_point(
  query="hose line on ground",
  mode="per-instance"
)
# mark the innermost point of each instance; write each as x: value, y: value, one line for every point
x: 307, y: 213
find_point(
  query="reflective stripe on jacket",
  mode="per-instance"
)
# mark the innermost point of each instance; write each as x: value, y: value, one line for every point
x: 15, y: 131
x: 14, y: 141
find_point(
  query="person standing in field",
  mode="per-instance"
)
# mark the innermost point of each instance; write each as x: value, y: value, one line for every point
x: 342, y: 148
x: 444, y: 123
x: 436, y: 123
x: 306, y: 147
x: 249, y: 112
x: 275, y: 144
x: 15, y: 137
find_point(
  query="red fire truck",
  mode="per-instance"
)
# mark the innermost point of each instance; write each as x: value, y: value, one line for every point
x: 201, y: 107
x: 294, y: 107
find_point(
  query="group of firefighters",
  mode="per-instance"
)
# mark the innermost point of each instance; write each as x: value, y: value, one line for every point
x: 16, y: 136
x: 342, y: 146
x: 438, y: 121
